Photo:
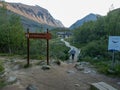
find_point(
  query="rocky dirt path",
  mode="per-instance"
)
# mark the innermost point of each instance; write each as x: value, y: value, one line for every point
x: 63, y: 77
x: 71, y: 47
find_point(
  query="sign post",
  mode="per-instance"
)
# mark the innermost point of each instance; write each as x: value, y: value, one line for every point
x: 113, y: 45
x: 27, y: 35
x: 47, y: 50
x: 46, y: 36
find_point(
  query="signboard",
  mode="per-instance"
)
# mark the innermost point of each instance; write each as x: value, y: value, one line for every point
x: 38, y: 35
x: 114, y: 43
x: 46, y: 36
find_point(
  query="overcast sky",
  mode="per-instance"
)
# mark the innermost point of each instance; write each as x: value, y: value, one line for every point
x: 69, y: 11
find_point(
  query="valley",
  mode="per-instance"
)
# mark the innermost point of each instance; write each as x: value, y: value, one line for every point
x: 94, y: 60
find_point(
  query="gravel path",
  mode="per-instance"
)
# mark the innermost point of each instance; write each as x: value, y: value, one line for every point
x: 63, y: 77
x: 71, y: 47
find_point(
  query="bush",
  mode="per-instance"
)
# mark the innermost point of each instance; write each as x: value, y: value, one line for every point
x: 1, y: 68
x: 58, y: 50
x: 2, y: 82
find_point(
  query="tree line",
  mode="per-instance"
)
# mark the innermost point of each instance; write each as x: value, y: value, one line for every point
x: 13, y: 40
x: 92, y: 37
x: 11, y: 32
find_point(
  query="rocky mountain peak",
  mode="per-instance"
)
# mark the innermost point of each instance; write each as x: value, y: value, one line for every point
x: 89, y: 17
x: 35, y: 13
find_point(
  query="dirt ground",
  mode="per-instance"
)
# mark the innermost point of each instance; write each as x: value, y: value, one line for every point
x: 63, y: 77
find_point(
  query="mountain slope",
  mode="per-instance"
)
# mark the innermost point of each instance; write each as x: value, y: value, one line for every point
x: 35, y: 13
x: 90, y: 17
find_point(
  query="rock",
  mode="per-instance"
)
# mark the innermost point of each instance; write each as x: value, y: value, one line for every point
x: 31, y: 87
x: 1, y: 73
x: 57, y: 62
x: 84, y: 63
x: 77, y: 85
x: 11, y: 79
x: 112, y: 71
x: 45, y: 67
x: 79, y: 67
x: 118, y: 83
x: 42, y: 63
x: 71, y: 72
x: 77, y: 64
x: 87, y: 71
x: 17, y: 67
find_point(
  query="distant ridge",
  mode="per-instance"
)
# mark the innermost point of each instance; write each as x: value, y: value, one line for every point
x: 35, y: 13
x: 90, y: 17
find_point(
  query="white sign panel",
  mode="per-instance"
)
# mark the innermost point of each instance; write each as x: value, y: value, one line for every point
x: 114, y: 43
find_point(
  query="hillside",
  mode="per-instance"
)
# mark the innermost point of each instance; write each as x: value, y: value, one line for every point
x: 33, y: 25
x: 35, y: 13
x: 90, y: 17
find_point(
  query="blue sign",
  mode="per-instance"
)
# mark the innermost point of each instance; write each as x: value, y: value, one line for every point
x: 114, y: 43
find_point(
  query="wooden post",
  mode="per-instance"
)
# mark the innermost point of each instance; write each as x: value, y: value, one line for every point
x: 46, y: 36
x: 28, y: 61
x: 47, y: 50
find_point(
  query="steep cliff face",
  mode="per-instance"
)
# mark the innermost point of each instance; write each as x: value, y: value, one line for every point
x: 35, y: 13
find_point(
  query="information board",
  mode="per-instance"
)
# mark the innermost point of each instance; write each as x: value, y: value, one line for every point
x: 114, y: 43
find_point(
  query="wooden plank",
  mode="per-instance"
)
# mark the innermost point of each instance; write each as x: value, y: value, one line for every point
x: 107, y: 86
x: 101, y: 86
x: 96, y: 86
x: 38, y: 35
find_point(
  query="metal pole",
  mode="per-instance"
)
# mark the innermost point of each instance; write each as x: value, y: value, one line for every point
x: 113, y: 59
x: 47, y: 50
x: 28, y: 47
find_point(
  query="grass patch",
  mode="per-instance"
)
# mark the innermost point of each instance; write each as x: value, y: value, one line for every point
x: 103, y: 66
x: 2, y: 81
x: 1, y: 68
x: 27, y: 66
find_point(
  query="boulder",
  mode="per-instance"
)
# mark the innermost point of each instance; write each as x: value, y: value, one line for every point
x: 31, y: 87
x: 79, y: 67
x: 45, y: 67
x: 11, y: 79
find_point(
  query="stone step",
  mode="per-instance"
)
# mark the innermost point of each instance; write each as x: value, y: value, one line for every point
x: 101, y: 86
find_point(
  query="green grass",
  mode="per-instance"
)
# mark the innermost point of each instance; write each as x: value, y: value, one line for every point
x: 103, y: 66
x: 58, y: 50
x: 2, y: 82
x: 1, y: 67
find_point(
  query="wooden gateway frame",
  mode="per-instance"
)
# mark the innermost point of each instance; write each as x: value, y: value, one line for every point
x: 46, y: 36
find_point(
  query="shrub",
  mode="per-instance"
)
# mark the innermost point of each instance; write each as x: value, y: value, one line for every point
x: 2, y: 82
x: 1, y: 67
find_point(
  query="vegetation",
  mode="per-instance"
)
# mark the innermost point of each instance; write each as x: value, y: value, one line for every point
x: 92, y: 38
x: 11, y: 31
x: 1, y: 68
x: 58, y: 50
x: 13, y: 41
x: 2, y: 83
